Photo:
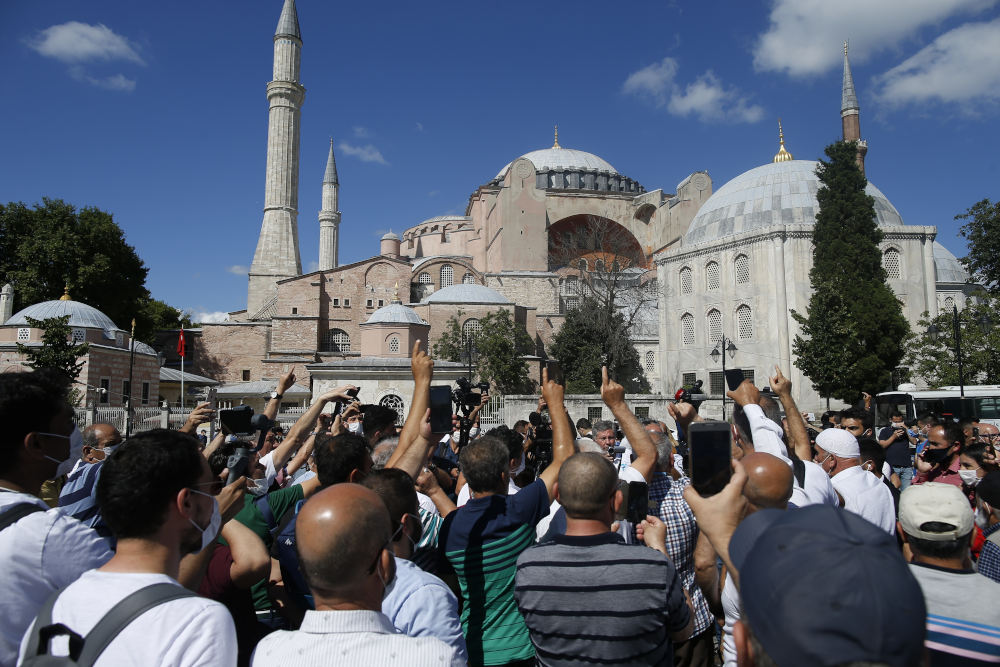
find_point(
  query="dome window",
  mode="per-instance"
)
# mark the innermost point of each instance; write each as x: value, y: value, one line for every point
x: 687, y: 283
x: 687, y: 328
x: 337, y: 340
x: 892, y: 264
x: 394, y: 402
x: 949, y: 304
x: 23, y: 334
x: 742, y: 264
x: 650, y: 362
x: 447, y: 276
x: 714, y: 326
x: 394, y: 345
x: 468, y: 279
x: 79, y: 335
x: 712, y: 276
x: 470, y: 329
x: 744, y: 322
x: 425, y: 279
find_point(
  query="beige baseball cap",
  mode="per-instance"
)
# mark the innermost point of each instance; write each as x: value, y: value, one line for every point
x: 932, y: 501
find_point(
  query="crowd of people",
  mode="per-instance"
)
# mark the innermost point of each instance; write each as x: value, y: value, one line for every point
x: 349, y: 540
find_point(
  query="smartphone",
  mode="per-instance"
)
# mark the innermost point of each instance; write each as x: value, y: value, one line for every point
x: 734, y: 378
x: 338, y: 407
x: 711, y: 454
x: 441, y: 409
x: 237, y: 420
x: 622, y: 512
x: 638, y: 502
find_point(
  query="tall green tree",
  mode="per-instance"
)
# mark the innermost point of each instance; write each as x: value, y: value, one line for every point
x: 52, y: 245
x: 57, y: 351
x: 982, y: 231
x: 853, y: 333
x: 933, y: 357
x: 500, y: 347
x: 584, y: 344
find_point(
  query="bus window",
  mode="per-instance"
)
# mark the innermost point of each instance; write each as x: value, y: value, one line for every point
x: 987, y: 408
x: 948, y: 408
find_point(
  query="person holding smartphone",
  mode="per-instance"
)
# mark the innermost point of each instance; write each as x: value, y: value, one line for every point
x: 897, y: 440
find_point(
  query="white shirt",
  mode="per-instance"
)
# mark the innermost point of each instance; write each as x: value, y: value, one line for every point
x: 731, y: 606
x: 270, y: 472
x: 421, y: 605
x: 466, y: 493
x: 816, y: 488
x: 188, y: 632
x: 867, y: 496
x: 39, y: 554
x: 427, y: 504
x: 350, y: 638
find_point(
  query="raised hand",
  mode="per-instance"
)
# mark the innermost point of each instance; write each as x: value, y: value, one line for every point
x: 780, y: 385
x: 286, y: 381
x: 745, y: 394
x: 421, y: 365
x: 611, y: 392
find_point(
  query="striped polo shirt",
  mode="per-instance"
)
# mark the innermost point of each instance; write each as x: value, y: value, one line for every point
x: 482, y: 540
x: 78, y: 497
x: 594, y: 599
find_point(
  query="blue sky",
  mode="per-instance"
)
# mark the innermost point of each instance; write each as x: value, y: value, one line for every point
x: 156, y: 111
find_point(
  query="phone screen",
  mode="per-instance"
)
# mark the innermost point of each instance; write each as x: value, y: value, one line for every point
x: 734, y: 378
x: 711, y: 453
x: 638, y: 502
x: 440, y: 409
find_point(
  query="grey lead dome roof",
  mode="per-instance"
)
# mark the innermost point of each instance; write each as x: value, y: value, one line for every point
x: 466, y: 293
x: 566, y: 158
x: 395, y: 313
x: 80, y: 314
x: 772, y: 194
x: 947, y: 267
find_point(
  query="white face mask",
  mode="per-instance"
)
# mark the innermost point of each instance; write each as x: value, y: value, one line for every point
x: 75, y: 450
x: 520, y: 467
x: 209, y: 532
x: 257, y: 487
x: 355, y: 428
x: 473, y: 432
x: 969, y: 477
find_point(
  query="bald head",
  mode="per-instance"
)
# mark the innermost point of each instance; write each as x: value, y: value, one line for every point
x: 340, y: 534
x: 586, y: 483
x: 769, y: 481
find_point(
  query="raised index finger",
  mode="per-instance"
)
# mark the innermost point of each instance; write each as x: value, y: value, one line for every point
x: 604, y: 374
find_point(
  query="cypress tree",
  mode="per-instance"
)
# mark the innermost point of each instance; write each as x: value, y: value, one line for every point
x: 853, y: 332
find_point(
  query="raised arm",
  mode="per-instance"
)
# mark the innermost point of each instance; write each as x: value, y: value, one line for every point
x: 201, y: 414
x: 562, y: 438
x: 251, y: 561
x: 422, y: 367
x: 642, y: 445
x: 719, y: 515
x: 217, y: 441
x: 798, y: 435
x: 301, y: 456
x: 285, y: 383
x: 304, y: 425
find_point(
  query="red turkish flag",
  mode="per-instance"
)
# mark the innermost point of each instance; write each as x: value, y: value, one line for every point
x: 180, y: 344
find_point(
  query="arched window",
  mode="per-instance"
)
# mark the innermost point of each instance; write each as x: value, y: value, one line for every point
x: 892, y: 264
x: 571, y: 286
x: 714, y: 326
x: 470, y: 329
x: 337, y: 340
x: 687, y: 328
x: 744, y: 322
x: 469, y: 279
x: 712, y: 275
x: 425, y: 279
x: 949, y: 303
x: 583, y: 265
x: 395, y: 403
x: 599, y: 265
x: 447, y: 275
x: 650, y: 362
x: 742, y: 269
x: 394, y: 344
x: 687, y: 283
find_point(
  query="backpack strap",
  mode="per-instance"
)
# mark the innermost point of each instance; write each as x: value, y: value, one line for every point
x: 799, y: 470
x: 15, y: 513
x: 286, y: 519
x: 42, y: 631
x: 265, y: 510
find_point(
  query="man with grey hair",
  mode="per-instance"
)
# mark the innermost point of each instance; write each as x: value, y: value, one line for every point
x: 603, y: 434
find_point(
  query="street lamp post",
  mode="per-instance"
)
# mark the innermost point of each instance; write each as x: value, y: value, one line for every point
x: 935, y: 333
x: 723, y: 346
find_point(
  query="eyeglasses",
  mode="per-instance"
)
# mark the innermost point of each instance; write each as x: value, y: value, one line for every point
x: 215, y: 486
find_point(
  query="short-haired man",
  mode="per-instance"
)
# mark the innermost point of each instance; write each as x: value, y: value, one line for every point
x: 939, y: 460
x: 583, y: 427
x: 838, y: 453
x: 897, y: 441
x: 643, y: 605
x: 78, y: 497
x: 378, y: 422
x: 603, y: 434
x: 344, y: 544
x: 988, y: 520
x: 154, y: 495
x: 44, y: 550
x: 856, y: 421
x: 873, y: 459
x: 963, y: 618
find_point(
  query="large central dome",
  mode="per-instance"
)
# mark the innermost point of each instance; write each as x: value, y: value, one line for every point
x: 772, y: 194
x: 564, y: 158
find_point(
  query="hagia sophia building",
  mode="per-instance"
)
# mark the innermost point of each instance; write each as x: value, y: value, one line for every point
x: 728, y: 262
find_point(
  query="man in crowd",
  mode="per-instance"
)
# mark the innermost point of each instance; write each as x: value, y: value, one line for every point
x: 583, y: 427
x: 345, y: 533
x: 643, y: 605
x: 857, y: 422
x: 872, y: 457
x: 497, y: 527
x: 963, y: 618
x: 988, y: 520
x: 378, y: 422
x: 838, y: 453
x: 939, y: 460
x: 78, y: 497
x: 41, y: 550
x: 897, y: 441
x: 154, y: 495
x: 603, y: 434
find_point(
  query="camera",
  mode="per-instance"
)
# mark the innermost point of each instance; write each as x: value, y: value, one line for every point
x: 465, y: 395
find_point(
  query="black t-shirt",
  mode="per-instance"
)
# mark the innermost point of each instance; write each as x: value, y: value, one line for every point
x: 898, y: 453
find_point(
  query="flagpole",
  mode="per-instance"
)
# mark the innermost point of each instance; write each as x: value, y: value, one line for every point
x: 183, y: 351
x: 131, y: 365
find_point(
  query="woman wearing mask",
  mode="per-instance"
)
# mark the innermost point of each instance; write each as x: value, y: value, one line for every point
x: 977, y: 461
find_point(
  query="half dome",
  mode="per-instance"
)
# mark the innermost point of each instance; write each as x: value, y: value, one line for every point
x: 80, y: 314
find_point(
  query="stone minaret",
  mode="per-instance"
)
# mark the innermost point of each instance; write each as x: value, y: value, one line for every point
x: 850, y: 113
x: 6, y: 303
x: 277, y: 254
x: 329, y: 216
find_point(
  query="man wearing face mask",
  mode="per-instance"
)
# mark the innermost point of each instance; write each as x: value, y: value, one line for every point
x: 988, y: 520
x: 418, y: 603
x: 154, y: 495
x: 344, y: 542
x: 939, y: 461
x: 838, y: 453
x: 78, y: 497
x: 44, y: 549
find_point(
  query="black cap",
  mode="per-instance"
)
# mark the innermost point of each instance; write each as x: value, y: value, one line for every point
x: 989, y: 488
x: 822, y: 586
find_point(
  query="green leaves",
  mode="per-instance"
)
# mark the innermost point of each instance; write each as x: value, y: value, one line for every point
x: 57, y: 351
x: 982, y: 231
x: 501, y: 345
x: 935, y: 360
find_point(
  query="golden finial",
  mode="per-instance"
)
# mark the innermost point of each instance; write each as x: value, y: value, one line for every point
x: 782, y: 155
x: 845, y: 47
x: 395, y: 295
x: 65, y: 296
x: 555, y: 144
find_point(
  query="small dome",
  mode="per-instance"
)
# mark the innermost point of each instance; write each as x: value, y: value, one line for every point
x: 947, y: 267
x: 143, y: 348
x: 772, y: 194
x: 80, y: 314
x: 466, y: 293
x: 565, y: 158
x: 395, y: 313
x: 390, y: 237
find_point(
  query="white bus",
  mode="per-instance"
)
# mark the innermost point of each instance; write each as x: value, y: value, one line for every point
x: 982, y: 401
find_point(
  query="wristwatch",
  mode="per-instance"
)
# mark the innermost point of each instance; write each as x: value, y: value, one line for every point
x: 275, y: 394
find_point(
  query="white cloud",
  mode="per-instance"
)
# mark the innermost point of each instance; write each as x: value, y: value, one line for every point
x: 361, y: 132
x: 209, y: 316
x: 707, y: 97
x: 238, y: 270
x: 366, y: 153
x: 115, y: 82
x: 961, y: 66
x: 75, y: 42
x: 420, y: 127
x: 806, y: 37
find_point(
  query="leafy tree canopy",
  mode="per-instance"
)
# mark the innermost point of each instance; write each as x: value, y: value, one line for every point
x: 57, y: 351
x: 500, y: 347
x: 982, y: 231
x: 934, y: 358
